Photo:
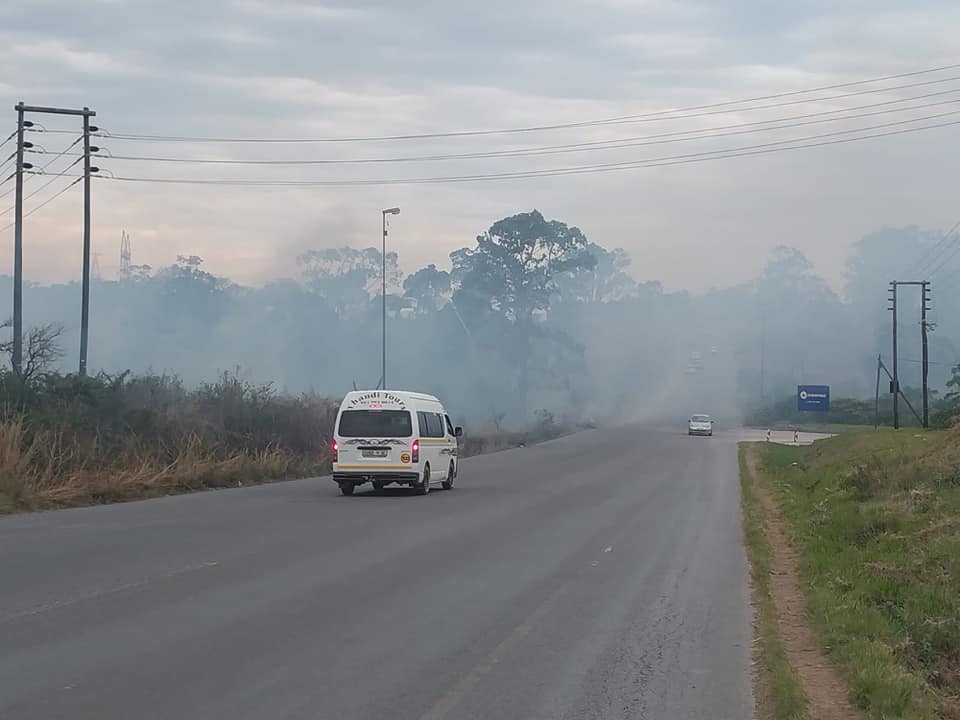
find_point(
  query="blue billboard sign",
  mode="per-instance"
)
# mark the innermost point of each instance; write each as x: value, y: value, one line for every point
x: 814, y: 398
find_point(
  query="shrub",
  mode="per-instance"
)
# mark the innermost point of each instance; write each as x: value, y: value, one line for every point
x: 66, y: 439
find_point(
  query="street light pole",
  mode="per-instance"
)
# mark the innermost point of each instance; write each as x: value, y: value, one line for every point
x: 383, y: 297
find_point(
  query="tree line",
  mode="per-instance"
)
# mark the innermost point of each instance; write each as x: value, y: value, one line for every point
x: 531, y: 315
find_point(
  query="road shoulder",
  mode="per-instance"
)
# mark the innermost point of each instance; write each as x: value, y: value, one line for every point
x: 793, y: 677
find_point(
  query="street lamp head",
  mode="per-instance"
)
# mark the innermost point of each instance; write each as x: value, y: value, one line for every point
x: 391, y: 211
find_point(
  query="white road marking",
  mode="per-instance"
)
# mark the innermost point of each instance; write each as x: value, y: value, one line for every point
x: 103, y: 592
x: 452, y: 697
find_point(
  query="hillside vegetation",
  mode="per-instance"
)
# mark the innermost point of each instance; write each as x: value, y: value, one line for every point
x: 874, y: 517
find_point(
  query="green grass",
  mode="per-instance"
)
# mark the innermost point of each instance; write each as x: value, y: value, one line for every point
x: 833, y: 428
x: 780, y: 695
x: 875, y: 519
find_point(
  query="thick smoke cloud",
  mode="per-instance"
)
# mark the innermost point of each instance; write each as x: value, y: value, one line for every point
x: 577, y: 335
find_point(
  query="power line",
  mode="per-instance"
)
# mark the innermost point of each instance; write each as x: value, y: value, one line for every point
x: 922, y: 264
x: 3, y: 168
x: 749, y: 128
x: 944, y: 256
x: 951, y: 235
x: 762, y: 149
x: 51, y: 162
x: 60, y: 154
x: 948, y: 279
x: 10, y: 137
x: 10, y: 157
x: 10, y: 190
x: 41, y: 171
x: 53, y: 178
x: 929, y: 362
x: 44, y: 203
x: 709, y: 108
x: 945, y: 261
x: 932, y: 265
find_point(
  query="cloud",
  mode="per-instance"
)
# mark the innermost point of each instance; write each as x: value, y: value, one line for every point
x: 239, y: 35
x: 293, y: 90
x: 301, y: 10
x: 57, y: 52
x: 254, y: 68
x: 671, y: 46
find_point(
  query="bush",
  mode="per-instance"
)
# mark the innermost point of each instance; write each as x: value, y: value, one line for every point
x: 945, y: 416
x: 861, y: 482
x: 67, y: 439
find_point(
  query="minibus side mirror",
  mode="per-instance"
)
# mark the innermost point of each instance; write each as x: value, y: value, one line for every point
x: 458, y: 431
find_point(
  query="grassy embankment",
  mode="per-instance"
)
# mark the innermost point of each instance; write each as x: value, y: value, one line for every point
x: 874, y: 521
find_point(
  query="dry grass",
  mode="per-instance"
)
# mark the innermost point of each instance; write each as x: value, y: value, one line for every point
x: 67, y: 441
x: 45, y: 470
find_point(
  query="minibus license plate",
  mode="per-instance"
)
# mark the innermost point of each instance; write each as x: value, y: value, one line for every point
x: 374, y: 453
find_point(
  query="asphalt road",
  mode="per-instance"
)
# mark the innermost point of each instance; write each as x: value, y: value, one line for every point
x: 596, y: 576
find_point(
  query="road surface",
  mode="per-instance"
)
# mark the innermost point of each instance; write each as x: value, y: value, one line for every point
x: 601, y: 575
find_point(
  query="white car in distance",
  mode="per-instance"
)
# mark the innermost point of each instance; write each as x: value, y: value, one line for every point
x: 700, y: 425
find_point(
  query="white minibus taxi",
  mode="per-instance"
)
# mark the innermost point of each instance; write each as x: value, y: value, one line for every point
x: 393, y: 436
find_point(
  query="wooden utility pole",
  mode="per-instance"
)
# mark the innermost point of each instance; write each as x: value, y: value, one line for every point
x: 86, y: 114
x: 85, y: 302
x: 876, y: 399
x: 925, y: 357
x: 17, y: 360
x: 896, y: 378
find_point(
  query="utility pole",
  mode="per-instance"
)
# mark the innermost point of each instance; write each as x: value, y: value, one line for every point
x: 896, y: 377
x: 17, y: 360
x: 85, y: 303
x: 86, y: 113
x: 895, y: 380
x: 925, y: 287
x: 876, y: 398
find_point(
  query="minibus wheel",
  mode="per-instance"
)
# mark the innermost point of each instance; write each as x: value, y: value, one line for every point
x: 448, y: 483
x: 424, y: 487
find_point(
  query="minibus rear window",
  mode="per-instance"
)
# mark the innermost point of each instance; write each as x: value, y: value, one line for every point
x: 375, y: 423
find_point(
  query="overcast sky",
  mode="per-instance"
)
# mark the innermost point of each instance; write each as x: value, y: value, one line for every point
x: 287, y: 68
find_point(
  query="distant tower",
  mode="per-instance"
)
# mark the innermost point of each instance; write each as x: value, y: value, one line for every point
x: 96, y: 266
x: 126, y: 255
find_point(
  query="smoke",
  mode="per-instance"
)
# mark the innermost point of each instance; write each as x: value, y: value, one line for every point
x: 633, y: 354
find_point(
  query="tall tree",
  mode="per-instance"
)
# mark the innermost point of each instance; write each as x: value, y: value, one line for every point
x: 517, y: 261
x: 429, y: 287
x: 509, y: 278
x: 605, y: 280
x: 348, y: 277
